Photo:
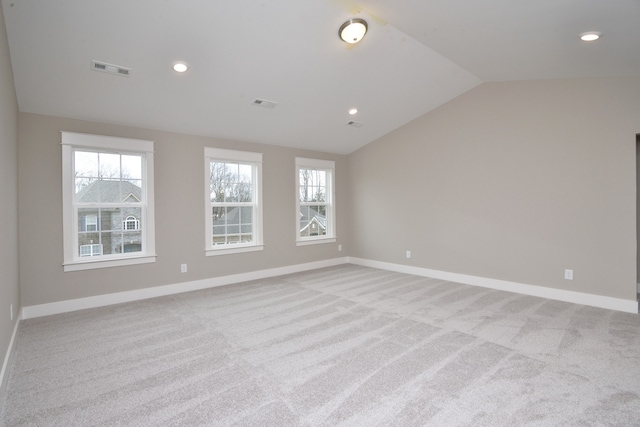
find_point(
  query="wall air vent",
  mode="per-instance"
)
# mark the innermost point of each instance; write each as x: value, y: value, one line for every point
x: 354, y: 124
x: 110, y: 68
x: 264, y: 103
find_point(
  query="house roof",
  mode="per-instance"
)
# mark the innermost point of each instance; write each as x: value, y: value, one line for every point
x: 110, y: 191
x: 310, y: 216
x: 416, y: 56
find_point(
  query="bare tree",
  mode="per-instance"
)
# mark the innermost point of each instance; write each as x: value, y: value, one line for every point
x: 228, y: 185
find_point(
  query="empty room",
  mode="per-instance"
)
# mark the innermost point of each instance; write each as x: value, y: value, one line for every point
x: 319, y: 213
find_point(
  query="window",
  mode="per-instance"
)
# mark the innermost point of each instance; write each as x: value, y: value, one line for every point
x: 131, y: 223
x: 107, y: 201
x: 91, y: 223
x: 315, y: 208
x: 233, y: 195
x: 90, y: 250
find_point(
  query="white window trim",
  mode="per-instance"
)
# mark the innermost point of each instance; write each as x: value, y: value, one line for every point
x: 328, y: 165
x: 233, y: 156
x: 72, y: 260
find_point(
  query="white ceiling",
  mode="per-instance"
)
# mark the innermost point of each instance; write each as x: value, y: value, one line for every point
x: 417, y: 55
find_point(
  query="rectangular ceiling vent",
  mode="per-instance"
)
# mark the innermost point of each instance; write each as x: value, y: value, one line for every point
x: 110, y: 68
x: 264, y: 103
x: 354, y: 124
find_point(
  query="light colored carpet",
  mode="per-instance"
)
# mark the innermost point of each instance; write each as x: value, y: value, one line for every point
x: 346, y: 345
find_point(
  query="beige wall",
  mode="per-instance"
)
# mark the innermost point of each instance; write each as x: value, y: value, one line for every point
x: 179, y: 203
x: 514, y: 181
x: 9, y: 290
x: 638, y: 209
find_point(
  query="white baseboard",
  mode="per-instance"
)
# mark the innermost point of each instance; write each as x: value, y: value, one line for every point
x: 628, y: 306
x: 158, y: 291
x: 7, y: 355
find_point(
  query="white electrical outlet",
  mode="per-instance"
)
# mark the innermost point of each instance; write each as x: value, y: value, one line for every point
x: 183, y: 268
x: 568, y: 274
x: 339, y: 248
x: 11, y: 311
x: 408, y: 254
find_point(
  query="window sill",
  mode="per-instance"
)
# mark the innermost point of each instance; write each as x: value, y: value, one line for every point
x: 229, y: 251
x: 90, y: 265
x: 316, y: 241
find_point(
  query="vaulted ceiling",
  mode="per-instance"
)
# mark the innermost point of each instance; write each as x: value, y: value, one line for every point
x: 417, y: 55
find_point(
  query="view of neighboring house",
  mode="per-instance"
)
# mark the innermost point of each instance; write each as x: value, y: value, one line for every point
x: 114, y: 227
x: 234, y: 224
x: 312, y: 222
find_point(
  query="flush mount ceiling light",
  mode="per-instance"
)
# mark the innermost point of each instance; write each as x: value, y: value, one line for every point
x: 180, y: 67
x: 353, y: 111
x: 590, y: 36
x: 353, y: 30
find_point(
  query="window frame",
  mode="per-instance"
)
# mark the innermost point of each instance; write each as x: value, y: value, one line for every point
x: 72, y: 141
x: 130, y: 219
x: 234, y: 156
x: 329, y: 167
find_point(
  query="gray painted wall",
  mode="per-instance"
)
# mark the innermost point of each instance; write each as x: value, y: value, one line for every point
x: 179, y: 204
x: 9, y: 289
x: 638, y: 210
x: 514, y: 181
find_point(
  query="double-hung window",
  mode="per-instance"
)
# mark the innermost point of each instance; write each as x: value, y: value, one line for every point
x: 315, y: 207
x: 233, y: 201
x: 107, y: 201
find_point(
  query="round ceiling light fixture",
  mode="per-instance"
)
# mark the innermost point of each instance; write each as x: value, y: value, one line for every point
x: 353, y: 111
x: 590, y: 36
x: 180, y: 67
x: 353, y: 30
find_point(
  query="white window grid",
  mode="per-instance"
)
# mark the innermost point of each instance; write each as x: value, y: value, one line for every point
x: 239, y: 235
x: 73, y: 259
x: 131, y: 223
x: 306, y: 235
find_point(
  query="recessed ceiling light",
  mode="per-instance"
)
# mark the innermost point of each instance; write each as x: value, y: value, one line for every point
x: 353, y: 111
x: 590, y: 36
x: 180, y: 67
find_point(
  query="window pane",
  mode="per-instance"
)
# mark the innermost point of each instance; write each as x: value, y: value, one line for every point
x: 246, y: 215
x: 245, y: 192
x: 131, y: 191
x: 87, y: 220
x: 217, y: 214
x: 231, y: 172
x: 86, y: 164
x: 88, y: 238
x: 110, y: 219
x: 90, y: 250
x: 131, y: 167
x: 245, y: 180
x: 112, y: 242
x: 319, y: 194
x: 313, y: 221
x: 85, y: 173
x: 86, y: 190
x: 131, y: 219
x: 233, y: 215
x: 233, y: 194
x: 131, y: 241
x: 109, y: 166
x: 322, y: 178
